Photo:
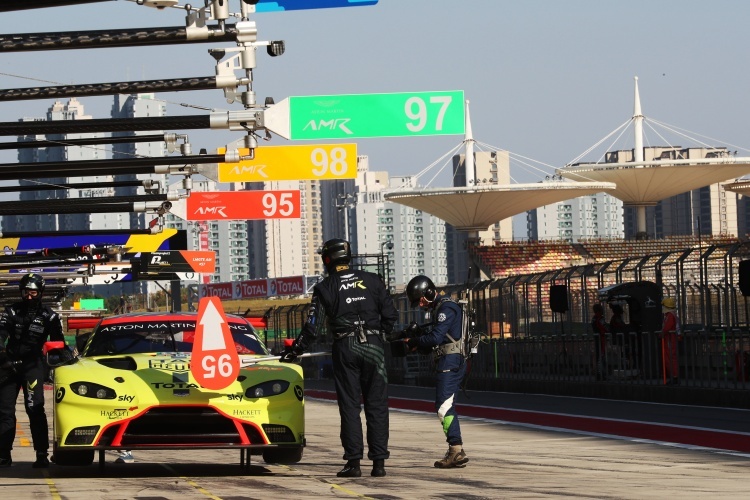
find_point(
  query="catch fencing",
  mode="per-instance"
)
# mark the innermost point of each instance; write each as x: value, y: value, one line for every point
x: 528, y: 347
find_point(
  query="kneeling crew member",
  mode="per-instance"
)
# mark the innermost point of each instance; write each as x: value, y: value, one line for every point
x: 360, y: 313
x: 445, y: 336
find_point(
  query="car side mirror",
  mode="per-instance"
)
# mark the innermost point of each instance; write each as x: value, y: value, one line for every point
x: 56, y: 353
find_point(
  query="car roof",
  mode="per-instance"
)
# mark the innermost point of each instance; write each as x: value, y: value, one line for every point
x: 162, y: 316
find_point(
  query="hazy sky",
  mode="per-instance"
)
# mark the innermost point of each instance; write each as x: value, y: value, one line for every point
x: 546, y: 79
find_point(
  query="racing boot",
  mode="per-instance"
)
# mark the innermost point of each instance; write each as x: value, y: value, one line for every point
x: 351, y: 469
x: 42, y: 462
x: 378, y: 468
x: 454, y: 457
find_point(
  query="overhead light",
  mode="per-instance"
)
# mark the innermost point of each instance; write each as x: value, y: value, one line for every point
x: 158, y: 4
x: 275, y: 48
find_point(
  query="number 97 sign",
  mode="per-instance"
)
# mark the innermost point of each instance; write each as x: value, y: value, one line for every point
x: 243, y: 205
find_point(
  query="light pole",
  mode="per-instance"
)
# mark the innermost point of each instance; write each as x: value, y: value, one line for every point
x: 386, y: 262
x: 345, y: 202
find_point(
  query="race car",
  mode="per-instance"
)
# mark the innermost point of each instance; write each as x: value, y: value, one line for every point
x: 131, y: 388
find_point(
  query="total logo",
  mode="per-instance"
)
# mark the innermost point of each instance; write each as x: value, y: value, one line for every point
x: 349, y: 300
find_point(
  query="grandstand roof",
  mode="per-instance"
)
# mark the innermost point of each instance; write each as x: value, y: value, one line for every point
x: 742, y: 187
x: 646, y: 183
x: 477, y: 208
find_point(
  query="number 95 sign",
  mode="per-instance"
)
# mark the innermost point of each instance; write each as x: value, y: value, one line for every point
x: 243, y: 205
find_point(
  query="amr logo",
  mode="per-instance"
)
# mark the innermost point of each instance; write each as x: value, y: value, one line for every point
x: 356, y: 284
x: 338, y: 123
x: 250, y: 169
x: 211, y: 211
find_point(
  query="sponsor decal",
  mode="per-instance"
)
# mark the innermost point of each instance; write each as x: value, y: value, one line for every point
x: 126, y: 398
x: 245, y: 413
x: 249, y: 169
x: 169, y: 365
x: 180, y: 385
x: 114, y: 414
x: 349, y: 300
x: 298, y: 392
x: 349, y: 286
x: 336, y: 123
x: 59, y: 394
x: 441, y: 317
x: 235, y: 397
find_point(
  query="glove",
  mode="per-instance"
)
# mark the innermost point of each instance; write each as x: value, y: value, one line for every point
x: 413, y: 330
x: 290, y: 354
x: 412, y: 342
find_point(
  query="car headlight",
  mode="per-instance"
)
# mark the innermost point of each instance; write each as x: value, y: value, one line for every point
x: 266, y: 389
x: 92, y: 390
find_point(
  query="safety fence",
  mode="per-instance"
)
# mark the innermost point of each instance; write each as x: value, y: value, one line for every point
x: 527, y: 346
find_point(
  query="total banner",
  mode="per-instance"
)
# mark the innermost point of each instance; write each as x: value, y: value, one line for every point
x: 253, y: 289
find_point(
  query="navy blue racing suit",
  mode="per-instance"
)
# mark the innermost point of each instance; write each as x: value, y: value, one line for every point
x: 360, y: 313
x: 451, y: 368
x: 26, y: 330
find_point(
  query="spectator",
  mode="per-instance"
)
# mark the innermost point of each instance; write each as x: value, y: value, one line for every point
x: 670, y: 335
x: 600, y: 329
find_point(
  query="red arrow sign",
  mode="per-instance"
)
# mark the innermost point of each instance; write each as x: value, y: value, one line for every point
x: 215, y: 363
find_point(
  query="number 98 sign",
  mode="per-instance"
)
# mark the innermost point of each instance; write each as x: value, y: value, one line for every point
x: 292, y: 163
x: 243, y: 205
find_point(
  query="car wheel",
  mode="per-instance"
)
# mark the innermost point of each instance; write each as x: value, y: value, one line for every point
x: 283, y: 455
x: 70, y: 457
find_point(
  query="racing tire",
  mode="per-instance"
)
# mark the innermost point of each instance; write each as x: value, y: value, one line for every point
x: 283, y: 455
x: 73, y: 457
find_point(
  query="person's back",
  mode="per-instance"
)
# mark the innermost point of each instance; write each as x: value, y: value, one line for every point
x: 360, y: 313
x: 354, y: 298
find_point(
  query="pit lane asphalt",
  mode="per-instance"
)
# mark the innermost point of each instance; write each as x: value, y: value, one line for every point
x: 507, y: 459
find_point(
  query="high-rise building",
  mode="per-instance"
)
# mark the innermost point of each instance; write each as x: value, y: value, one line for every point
x: 715, y: 210
x: 227, y: 239
x: 72, y: 110
x: 287, y: 247
x: 418, y: 238
x: 594, y: 216
x: 138, y: 106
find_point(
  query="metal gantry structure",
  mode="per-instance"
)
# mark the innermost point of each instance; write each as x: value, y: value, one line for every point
x: 213, y: 23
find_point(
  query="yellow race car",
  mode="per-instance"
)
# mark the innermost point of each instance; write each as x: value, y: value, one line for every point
x: 132, y: 389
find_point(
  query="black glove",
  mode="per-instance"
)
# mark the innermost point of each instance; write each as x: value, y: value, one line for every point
x: 412, y: 342
x: 5, y: 361
x: 413, y: 330
x: 290, y: 354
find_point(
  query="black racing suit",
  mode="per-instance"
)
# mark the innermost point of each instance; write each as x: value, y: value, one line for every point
x: 450, y: 367
x: 360, y: 313
x: 25, y: 328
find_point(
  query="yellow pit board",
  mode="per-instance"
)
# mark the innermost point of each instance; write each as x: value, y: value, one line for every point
x: 288, y: 163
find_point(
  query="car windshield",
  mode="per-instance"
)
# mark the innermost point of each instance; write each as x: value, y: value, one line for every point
x: 142, y: 335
